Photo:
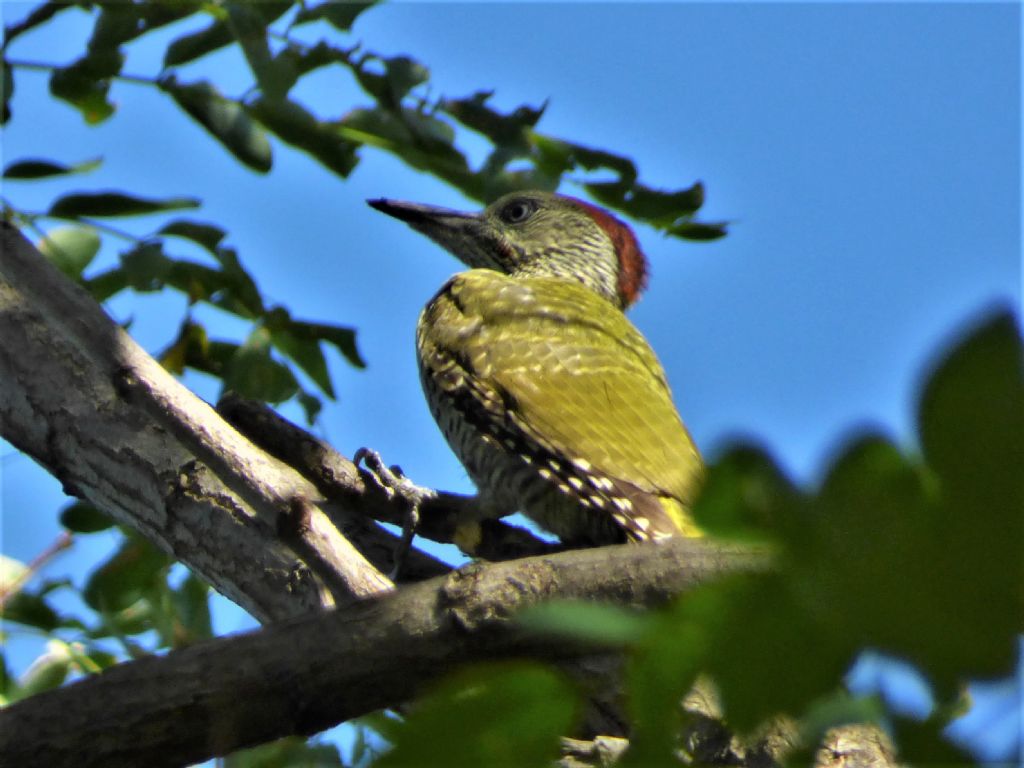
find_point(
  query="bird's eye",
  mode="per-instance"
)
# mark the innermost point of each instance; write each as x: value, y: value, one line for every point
x: 517, y: 211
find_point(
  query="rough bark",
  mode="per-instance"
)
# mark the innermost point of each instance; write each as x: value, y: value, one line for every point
x: 79, y: 396
x: 305, y: 675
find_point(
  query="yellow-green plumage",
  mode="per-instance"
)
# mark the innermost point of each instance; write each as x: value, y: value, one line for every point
x: 552, y: 400
x: 561, y: 373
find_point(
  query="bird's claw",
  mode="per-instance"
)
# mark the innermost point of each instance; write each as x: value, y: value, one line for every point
x: 393, y: 482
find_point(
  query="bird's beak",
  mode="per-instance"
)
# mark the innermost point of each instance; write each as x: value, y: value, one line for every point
x: 460, y: 233
x: 417, y: 214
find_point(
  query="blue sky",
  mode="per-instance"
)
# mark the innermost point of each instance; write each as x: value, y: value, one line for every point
x: 868, y: 156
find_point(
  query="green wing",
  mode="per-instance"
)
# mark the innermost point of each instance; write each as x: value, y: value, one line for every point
x: 575, y: 375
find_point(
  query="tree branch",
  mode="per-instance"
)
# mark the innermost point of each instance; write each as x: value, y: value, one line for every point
x: 85, y: 401
x: 308, y: 674
x: 339, y: 479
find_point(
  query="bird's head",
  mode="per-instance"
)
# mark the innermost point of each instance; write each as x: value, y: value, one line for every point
x: 537, y: 234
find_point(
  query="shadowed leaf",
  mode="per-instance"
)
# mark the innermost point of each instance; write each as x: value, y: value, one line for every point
x: 226, y: 120
x: 507, y: 714
x: 81, y: 517
x: 299, y: 127
x: 199, y: 232
x: 40, y: 169
x: 218, y: 34
x: 338, y: 15
x: 115, y: 204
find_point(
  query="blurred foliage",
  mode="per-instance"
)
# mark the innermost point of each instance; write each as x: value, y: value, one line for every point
x: 914, y: 552
x: 917, y: 554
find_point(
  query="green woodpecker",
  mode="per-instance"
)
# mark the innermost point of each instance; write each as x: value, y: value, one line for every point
x: 552, y: 400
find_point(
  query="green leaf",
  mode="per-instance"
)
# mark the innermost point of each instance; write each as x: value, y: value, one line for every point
x: 39, y: 169
x: 207, y: 235
x: 339, y: 15
x: 191, y: 603
x: 301, y: 341
x: 81, y: 517
x: 146, y: 267
x: 32, y: 610
x: 661, y: 669
x: 104, y: 204
x: 191, y: 347
x: 46, y: 672
x: 72, y: 249
x: 299, y: 127
x: 504, y: 714
x: 403, y: 74
x: 606, y: 625
x: 6, y: 90
x: 217, y: 35
x: 566, y: 156
x: 657, y: 207
x: 116, y: 24
x: 421, y: 141
x: 274, y: 76
x: 126, y: 577
x: 971, y: 418
x: 306, y: 353
x: 37, y: 16
x: 107, y: 284
x: 922, y: 743
x: 293, y: 751
x: 253, y: 373
x: 505, y: 130
x: 196, y: 44
x: 742, y: 494
x: 85, y: 83
x: 226, y: 120
x: 241, y: 296
x: 311, y: 406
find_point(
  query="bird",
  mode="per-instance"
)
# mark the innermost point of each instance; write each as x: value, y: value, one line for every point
x: 550, y: 397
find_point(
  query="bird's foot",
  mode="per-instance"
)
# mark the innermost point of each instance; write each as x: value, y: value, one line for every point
x: 394, y: 483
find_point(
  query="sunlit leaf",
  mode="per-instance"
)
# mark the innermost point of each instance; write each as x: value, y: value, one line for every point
x: 191, y: 344
x: 72, y: 249
x: 46, y: 672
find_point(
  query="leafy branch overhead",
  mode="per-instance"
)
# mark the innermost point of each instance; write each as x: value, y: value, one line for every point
x: 399, y: 117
